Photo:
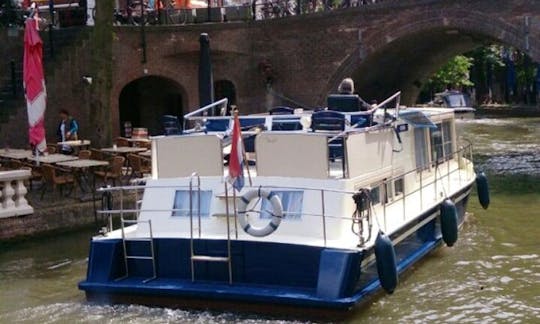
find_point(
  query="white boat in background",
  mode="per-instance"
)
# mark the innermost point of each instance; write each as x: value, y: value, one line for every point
x: 454, y: 100
x: 337, y: 205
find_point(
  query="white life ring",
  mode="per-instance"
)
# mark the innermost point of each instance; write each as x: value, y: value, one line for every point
x: 277, y: 212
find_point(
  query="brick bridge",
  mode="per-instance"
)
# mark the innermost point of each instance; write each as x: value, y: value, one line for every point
x: 385, y: 47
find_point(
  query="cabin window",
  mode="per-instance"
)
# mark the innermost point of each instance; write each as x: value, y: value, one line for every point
x: 420, y: 148
x: 290, y: 200
x: 181, y: 203
x: 441, y: 142
x: 398, y: 187
x: 388, y: 194
x: 447, y: 139
x: 375, y: 194
x: 436, y: 143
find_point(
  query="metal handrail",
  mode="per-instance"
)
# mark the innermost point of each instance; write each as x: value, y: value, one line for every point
x: 389, y: 99
x: 201, y: 110
x: 433, y: 179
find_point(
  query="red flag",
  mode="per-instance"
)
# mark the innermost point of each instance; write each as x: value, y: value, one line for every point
x: 236, y: 158
x: 34, y: 85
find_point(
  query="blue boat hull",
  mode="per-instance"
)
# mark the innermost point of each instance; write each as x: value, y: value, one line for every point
x: 264, y: 273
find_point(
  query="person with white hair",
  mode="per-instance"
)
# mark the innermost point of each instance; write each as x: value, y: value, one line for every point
x: 346, y: 87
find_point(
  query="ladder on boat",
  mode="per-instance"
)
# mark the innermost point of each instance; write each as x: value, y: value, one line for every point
x: 199, y: 257
x: 149, y: 240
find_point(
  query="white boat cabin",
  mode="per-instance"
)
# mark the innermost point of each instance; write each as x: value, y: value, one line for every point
x: 406, y: 164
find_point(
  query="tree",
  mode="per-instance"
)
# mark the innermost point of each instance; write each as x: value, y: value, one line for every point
x: 455, y: 73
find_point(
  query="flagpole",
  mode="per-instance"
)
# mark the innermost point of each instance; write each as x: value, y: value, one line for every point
x: 235, y: 114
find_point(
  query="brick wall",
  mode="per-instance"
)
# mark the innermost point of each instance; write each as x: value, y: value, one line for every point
x: 386, y: 47
x: 65, y: 90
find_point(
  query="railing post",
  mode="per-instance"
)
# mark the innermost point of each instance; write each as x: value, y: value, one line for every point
x: 421, y: 191
x: 323, y: 216
x: 403, y: 198
x: 13, y: 192
x: 191, y: 248
x: 20, y: 192
x: 448, y: 172
x: 228, y: 234
x: 7, y: 195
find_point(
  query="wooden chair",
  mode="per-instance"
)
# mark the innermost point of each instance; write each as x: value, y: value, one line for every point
x: 121, y: 141
x: 85, y: 154
x: 138, y: 166
x: 113, y: 172
x: 96, y: 154
x: 147, y: 145
x: 14, y: 165
x: 54, y: 180
x: 35, y: 173
x: 52, y: 149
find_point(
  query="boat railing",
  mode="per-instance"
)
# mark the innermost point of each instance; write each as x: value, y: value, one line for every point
x: 207, y: 111
x: 206, y: 114
x: 436, y: 174
x: 431, y: 174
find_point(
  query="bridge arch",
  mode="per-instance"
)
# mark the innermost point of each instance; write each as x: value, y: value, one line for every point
x: 144, y: 100
x: 410, y: 53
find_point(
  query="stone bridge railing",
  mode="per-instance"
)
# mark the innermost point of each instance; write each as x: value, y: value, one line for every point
x: 13, y: 192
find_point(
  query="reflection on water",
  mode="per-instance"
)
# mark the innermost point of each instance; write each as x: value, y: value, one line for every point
x: 492, y: 274
x: 505, y: 146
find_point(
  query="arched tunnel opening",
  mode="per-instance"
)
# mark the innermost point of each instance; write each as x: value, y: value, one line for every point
x: 144, y: 101
x: 406, y: 64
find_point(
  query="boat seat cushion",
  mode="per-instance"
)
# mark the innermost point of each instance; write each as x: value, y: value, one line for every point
x: 343, y: 103
x: 328, y: 120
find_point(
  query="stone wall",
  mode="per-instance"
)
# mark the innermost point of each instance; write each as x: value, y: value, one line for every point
x: 55, y: 213
x: 46, y: 220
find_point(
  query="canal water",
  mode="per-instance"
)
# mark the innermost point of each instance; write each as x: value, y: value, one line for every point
x: 491, y: 275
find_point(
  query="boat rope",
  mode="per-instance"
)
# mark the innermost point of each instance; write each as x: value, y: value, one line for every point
x: 260, y: 210
x: 438, y: 170
x: 398, y: 137
x: 362, y: 199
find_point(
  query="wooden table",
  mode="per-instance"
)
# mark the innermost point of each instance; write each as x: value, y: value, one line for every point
x: 82, y: 169
x: 146, y: 153
x: 76, y: 145
x: 136, y: 141
x: 15, y: 154
x: 124, y: 150
x: 53, y: 158
x: 82, y: 163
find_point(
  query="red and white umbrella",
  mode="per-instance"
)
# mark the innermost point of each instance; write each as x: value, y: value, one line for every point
x: 34, y: 85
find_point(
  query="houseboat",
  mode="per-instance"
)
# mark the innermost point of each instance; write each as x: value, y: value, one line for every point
x: 335, y: 204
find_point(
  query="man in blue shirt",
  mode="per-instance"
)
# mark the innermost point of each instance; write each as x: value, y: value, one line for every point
x: 67, y: 130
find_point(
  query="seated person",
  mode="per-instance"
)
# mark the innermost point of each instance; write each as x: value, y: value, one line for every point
x: 346, y: 100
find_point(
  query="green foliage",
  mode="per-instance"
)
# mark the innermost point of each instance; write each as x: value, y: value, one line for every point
x: 455, y: 73
x: 488, y: 55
